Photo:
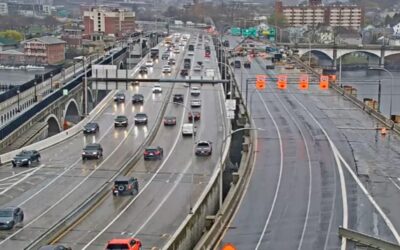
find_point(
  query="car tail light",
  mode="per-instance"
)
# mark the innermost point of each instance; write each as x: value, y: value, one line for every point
x: 146, y: 153
x: 157, y: 153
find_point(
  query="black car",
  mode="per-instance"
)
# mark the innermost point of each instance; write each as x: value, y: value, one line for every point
x: 178, y: 98
x: 55, y: 247
x: 119, y: 97
x: 92, y: 151
x: 153, y: 153
x: 237, y: 64
x: 247, y: 65
x: 91, y: 128
x: 164, y: 56
x: 25, y: 158
x: 121, y: 121
x: 203, y: 148
x: 143, y: 70
x: 137, y: 98
x: 140, y: 118
x: 184, y: 72
x: 10, y: 216
x: 171, y: 61
x: 169, y: 120
x: 225, y: 43
x: 125, y: 185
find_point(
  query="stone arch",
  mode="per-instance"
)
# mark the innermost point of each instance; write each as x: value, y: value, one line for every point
x: 341, y: 53
x: 71, y: 112
x: 306, y: 51
x: 375, y: 58
x: 53, y: 125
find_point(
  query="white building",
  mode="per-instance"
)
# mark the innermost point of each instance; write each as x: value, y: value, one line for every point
x: 3, y: 9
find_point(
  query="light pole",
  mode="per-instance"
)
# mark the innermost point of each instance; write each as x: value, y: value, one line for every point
x: 230, y: 79
x: 221, y: 166
x: 85, y: 94
x: 51, y: 82
x: 391, y: 87
x: 35, y: 97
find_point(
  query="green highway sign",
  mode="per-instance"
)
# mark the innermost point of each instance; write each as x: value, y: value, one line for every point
x: 236, y: 31
x: 65, y: 91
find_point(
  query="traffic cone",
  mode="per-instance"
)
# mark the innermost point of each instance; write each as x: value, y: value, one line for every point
x: 383, y: 131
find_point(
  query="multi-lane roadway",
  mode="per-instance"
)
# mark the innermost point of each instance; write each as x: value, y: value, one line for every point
x: 61, y: 181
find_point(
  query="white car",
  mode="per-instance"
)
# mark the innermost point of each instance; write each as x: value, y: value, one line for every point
x: 157, y: 89
x: 197, y: 68
x: 195, y: 103
x: 177, y: 51
x: 166, y: 69
x: 195, y: 91
x: 190, y: 53
x: 149, y: 63
x: 188, y: 129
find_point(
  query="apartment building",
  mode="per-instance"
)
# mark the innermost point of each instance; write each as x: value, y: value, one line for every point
x: 46, y: 50
x: 314, y: 14
x: 117, y: 22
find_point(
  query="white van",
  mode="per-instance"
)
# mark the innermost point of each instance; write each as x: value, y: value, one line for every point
x: 188, y: 129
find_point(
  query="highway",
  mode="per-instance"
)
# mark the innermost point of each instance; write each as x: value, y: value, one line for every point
x: 168, y: 188
x: 300, y: 190
x: 62, y: 181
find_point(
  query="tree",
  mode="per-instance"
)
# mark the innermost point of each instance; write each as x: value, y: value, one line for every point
x: 277, y: 19
x: 12, y: 34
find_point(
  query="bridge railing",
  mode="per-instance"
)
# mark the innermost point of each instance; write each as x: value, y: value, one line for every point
x: 13, y: 125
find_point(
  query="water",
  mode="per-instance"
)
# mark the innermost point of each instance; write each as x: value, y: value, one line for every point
x: 367, y: 84
x: 17, y: 77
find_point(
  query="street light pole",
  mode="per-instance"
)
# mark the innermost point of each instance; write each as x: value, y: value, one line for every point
x: 391, y: 87
x: 51, y: 82
x: 35, y: 97
x: 18, y: 108
x: 221, y: 166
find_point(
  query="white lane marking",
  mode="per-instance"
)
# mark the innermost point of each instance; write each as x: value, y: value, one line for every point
x: 394, y: 183
x: 359, y: 183
x: 176, y: 183
x: 278, y: 185
x: 22, y: 179
x: 18, y: 174
x: 145, y: 186
x: 309, y: 168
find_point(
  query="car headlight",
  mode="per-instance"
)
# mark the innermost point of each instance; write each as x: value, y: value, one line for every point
x: 94, y: 153
x: 93, y: 129
x: 24, y: 160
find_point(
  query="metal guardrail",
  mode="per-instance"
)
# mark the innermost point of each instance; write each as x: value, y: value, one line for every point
x: 9, y: 128
x: 367, y: 240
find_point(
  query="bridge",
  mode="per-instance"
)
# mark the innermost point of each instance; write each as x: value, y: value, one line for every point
x: 334, y: 52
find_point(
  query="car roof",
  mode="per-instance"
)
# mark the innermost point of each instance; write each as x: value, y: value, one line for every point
x: 137, y: 94
x: 151, y: 148
x: 170, y: 117
x: 123, y: 178
x: 120, y: 241
x: 203, y: 142
x: 121, y: 116
x: 93, y: 145
x: 7, y: 208
x: 141, y: 114
x: 188, y: 125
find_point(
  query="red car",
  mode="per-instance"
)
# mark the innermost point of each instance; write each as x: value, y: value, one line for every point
x: 207, y: 54
x: 153, y: 153
x: 196, y: 115
x: 124, y: 244
x: 169, y: 121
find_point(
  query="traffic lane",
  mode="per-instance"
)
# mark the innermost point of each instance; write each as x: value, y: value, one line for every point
x: 67, y: 155
x: 110, y: 165
x: 162, y: 190
x: 143, y: 171
x: 375, y: 157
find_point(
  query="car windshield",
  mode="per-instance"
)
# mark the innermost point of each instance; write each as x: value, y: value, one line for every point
x: 170, y: 118
x: 203, y: 144
x: 117, y: 247
x: 123, y: 182
x: 6, y: 213
x: 141, y: 115
x: 91, y: 147
x: 120, y: 117
x: 151, y: 149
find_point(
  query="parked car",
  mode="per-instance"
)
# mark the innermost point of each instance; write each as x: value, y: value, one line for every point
x: 195, y: 114
x: 188, y: 129
x: 91, y: 128
x: 25, y: 158
x: 137, y: 98
x: 55, y: 247
x: 169, y: 120
x: 143, y: 70
x: 124, y: 244
x: 153, y: 153
x: 125, y: 185
x: 179, y: 98
x: 119, y: 97
x: 184, y: 72
x: 203, y: 148
x: 92, y: 151
x: 10, y: 216
x: 195, y: 103
x: 157, y: 88
x: 121, y: 121
x: 195, y: 91
x: 140, y: 118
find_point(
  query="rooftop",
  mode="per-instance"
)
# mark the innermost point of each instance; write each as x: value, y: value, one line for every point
x: 46, y: 40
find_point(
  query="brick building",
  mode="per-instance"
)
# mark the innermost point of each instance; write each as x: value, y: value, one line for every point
x: 117, y: 22
x: 46, y: 50
x: 314, y: 14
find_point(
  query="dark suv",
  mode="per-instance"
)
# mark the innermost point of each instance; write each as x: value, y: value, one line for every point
x: 91, y: 128
x: 92, y: 151
x: 25, y: 158
x: 137, y: 98
x: 143, y: 70
x: 125, y: 185
x: 10, y: 216
x: 184, y: 72
x: 119, y: 97
x: 178, y: 98
x: 153, y: 153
